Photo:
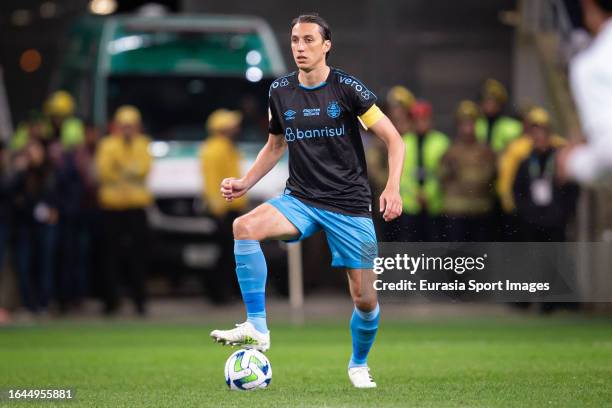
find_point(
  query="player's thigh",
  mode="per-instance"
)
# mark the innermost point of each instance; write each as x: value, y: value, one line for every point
x: 264, y: 222
x: 352, y: 240
x: 361, y: 286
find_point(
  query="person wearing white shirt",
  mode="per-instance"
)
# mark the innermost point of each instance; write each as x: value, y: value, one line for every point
x: 591, y: 82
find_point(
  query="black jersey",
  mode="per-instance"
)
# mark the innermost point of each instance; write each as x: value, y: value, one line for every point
x: 327, y: 165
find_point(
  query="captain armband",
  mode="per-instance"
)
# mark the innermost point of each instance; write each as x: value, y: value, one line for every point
x: 373, y: 115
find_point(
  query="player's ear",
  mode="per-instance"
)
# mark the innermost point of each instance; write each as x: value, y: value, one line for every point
x: 327, y: 45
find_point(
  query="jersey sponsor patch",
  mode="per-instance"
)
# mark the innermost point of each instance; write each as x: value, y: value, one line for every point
x: 361, y: 90
x: 291, y: 134
x: 311, y: 112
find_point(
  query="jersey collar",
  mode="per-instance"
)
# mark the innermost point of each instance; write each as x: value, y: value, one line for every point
x: 315, y: 87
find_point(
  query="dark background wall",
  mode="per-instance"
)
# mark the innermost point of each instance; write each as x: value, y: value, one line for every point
x: 27, y: 90
x: 440, y: 49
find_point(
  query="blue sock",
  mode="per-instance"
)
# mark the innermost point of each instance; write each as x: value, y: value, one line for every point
x: 364, y: 326
x: 251, y: 270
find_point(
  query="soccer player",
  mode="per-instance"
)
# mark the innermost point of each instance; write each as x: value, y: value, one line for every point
x: 315, y: 112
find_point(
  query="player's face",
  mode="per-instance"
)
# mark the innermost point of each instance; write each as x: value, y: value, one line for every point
x: 308, y: 46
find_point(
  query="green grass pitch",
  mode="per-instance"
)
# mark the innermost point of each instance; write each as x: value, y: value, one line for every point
x: 510, y: 362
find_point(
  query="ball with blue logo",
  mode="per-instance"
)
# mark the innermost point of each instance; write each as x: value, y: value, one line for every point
x: 334, y: 110
x: 247, y: 370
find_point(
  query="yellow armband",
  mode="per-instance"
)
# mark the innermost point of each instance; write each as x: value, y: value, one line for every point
x: 373, y: 115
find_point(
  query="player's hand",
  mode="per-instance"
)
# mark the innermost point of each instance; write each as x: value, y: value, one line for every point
x: 232, y: 188
x: 390, y: 204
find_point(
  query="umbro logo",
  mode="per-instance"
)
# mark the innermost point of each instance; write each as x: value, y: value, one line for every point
x: 289, y: 114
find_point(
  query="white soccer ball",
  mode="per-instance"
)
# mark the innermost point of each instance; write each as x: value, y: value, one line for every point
x: 247, y: 370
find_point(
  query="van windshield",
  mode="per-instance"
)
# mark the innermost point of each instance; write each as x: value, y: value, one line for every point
x: 135, y: 49
x: 175, y: 108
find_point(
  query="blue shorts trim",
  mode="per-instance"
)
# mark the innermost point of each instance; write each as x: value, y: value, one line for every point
x: 351, y: 239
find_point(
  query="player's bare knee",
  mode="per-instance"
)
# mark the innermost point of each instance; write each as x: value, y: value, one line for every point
x: 243, y: 228
x: 364, y: 303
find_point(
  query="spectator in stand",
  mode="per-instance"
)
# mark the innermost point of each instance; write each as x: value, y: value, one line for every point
x: 420, y: 184
x: 398, y: 103
x: 497, y: 130
x: 220, y: 158
x: 493, y: 127
x: 57, y: 125
x: 35, y: 198
x: 467, y: 172
x: 123, y: 163
x: 517, y: 152
x: 544, y: 206
x: 91, y: 246
x: 71, y: 282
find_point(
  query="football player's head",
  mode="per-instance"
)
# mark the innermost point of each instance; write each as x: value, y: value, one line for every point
x: 310, y: 41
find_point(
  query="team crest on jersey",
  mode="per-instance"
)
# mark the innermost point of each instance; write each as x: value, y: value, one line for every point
x: 334, y: 110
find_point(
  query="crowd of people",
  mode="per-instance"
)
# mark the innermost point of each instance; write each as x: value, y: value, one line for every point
x: 73, y: 204
x: 72, y: 208
x: 495, y: 179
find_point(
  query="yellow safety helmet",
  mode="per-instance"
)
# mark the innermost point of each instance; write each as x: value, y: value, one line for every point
x: 60, y: 103
x: 400, y: 95
x: 127, y: 115
x: 538, y: 116
x: 223, y: 119
x: 495, y: 90
x: 467, y: 110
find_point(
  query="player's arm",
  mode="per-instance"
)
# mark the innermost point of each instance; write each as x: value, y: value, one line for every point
x: 267, y: 158
x: 379, y: 124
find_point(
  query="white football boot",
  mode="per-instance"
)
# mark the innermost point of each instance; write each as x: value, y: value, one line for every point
x: 244, y: 335
x: 361, y: 378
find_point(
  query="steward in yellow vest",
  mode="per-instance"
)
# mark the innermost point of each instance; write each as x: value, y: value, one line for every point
x: 398, y: 102
x: 219, y: 159
x: 493, y: 128
x: 420, y: 184
x: 123, y: 163
x: 57, y: 124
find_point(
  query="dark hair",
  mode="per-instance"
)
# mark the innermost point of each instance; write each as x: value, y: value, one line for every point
x: 318, y: 20
x: 606, y: 5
